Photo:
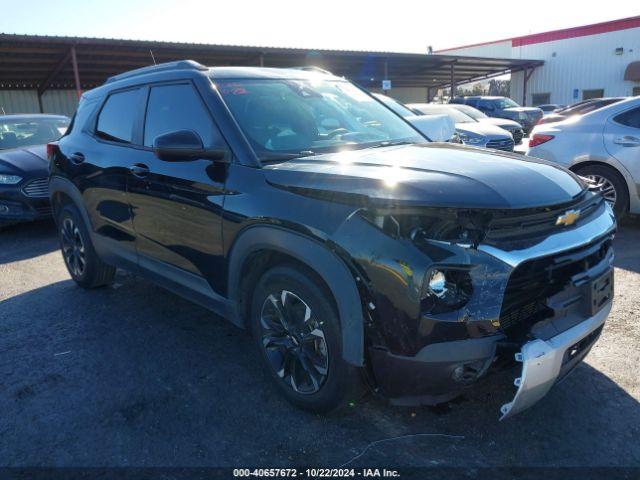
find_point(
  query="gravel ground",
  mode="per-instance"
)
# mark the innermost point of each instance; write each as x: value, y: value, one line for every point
x: 132, y: 375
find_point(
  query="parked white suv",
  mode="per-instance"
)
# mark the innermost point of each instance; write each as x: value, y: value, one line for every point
x: 602, y: 146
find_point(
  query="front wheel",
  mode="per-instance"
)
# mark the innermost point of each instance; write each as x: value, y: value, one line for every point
x: 80, y: 258
x: 297, y: 331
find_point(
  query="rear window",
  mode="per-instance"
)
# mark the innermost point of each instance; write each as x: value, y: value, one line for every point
x: 630, y: 118
x: 118, y: 116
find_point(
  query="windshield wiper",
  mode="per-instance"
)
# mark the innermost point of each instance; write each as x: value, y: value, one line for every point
x: 387, y: 143
x: 282, y: 157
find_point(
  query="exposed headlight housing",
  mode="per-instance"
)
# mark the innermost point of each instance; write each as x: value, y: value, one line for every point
x: 9, y: 179
x: 471, y: 139
x: 429, y: 224
x: 445, y: 289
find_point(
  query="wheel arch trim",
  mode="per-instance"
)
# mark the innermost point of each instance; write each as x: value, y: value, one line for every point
x: 62, y: 185
x: 319, y: 258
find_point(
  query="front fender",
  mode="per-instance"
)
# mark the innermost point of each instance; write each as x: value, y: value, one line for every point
x: 317, y: 256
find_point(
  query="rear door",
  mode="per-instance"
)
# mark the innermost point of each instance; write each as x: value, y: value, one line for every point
x: 622, y: 139
x: 100, y: 157
x: 177, y: 205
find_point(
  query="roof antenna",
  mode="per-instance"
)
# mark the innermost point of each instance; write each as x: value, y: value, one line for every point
x: 152, y: 57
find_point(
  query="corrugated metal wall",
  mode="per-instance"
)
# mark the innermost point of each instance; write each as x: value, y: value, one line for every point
x: 582, y: 63
x: 26, y: 101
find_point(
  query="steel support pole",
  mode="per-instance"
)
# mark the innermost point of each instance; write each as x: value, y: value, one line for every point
x: 453, y: 81
x: 76, y: 73
x: 386, y: 72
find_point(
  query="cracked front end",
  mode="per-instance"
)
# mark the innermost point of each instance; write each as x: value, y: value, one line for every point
x: 454, y: 293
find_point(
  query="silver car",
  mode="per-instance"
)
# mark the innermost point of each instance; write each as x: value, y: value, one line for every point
x: 470, y: 131
x: 602, y: 146
x: 511, y: 126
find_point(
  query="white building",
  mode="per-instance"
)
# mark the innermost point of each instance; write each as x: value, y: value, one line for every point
x: 600, y: 60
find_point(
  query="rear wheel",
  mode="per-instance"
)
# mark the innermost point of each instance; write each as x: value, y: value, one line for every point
x: 296, y: 330
x: 609, y: 184
x: 81, y: 259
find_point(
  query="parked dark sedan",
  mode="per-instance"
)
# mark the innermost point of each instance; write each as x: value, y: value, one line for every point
x: 24, y: 168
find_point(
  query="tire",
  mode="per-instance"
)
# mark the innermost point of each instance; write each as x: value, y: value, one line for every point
x: 80, y: 258
x: 304, y: 358
x: 606, y: 178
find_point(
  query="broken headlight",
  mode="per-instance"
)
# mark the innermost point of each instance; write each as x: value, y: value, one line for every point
x: 444, y: 225
x: 445, y: 289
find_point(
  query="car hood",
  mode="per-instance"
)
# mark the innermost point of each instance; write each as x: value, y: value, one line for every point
x: 434, y: 175
x: 484, y: 129
x: 501, y: 122
x: 25, y: 160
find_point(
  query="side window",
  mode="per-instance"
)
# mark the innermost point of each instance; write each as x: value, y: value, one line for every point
x: 118, y: 115
x: 630, y: 118
x: 178, y: 107
x: 486, y: 106
x: 473, y: 102
x: 79, y: 119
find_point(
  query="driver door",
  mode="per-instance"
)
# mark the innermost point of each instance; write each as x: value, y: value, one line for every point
x: 177, y: 205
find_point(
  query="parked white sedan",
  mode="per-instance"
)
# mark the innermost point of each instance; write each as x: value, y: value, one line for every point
x: 602, y: 146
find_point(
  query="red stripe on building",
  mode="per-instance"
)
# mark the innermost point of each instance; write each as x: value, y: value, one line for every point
x: 574, y: 32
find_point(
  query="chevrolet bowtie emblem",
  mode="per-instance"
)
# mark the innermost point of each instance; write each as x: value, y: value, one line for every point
x: 569, y: 218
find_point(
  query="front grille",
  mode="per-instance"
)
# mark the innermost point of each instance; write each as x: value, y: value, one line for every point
x: 533, y: 282
x: 37, y: 188
x: 504, y: 144
x: 532, y: 223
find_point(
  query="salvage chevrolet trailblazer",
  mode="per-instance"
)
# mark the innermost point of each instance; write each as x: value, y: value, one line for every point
x: 354, y: 250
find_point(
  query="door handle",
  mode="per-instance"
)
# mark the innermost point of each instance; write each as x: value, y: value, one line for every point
x: 139, y: 170
x: 76, y: 158
x: 627, y: 141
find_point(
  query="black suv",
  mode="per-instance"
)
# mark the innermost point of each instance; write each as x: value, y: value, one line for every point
x: 354, y: 250
x: 503, y: 107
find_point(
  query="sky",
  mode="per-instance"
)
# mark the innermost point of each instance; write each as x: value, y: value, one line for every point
x: 398, y: 25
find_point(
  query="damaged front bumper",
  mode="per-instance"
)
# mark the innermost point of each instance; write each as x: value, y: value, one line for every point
x: 545, y: 362
x: 549, y: 342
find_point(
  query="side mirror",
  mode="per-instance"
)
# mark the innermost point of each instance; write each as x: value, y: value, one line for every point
x: 183, y: 145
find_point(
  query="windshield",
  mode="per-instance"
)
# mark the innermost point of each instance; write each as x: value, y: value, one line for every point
x: 506, y: 103
x: 472, y: 112
x: 303, y: 117
x: 395, y: 105
x: 456, y: 115
x: 18, y: 132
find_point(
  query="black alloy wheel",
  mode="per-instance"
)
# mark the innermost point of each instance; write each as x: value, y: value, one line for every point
x: 296, y: 328
x: 294, y: 342
x: 73, y: 249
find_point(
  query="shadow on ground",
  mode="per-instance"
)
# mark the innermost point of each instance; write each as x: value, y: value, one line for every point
x: 27, y: 240
x: 133, y: 375
x: 627, y: 243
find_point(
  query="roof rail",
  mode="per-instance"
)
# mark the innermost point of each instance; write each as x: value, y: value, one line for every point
x: 161, y: 67
x: 312, y: 68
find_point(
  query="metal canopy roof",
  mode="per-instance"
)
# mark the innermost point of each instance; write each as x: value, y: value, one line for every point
x: 46, y: 62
